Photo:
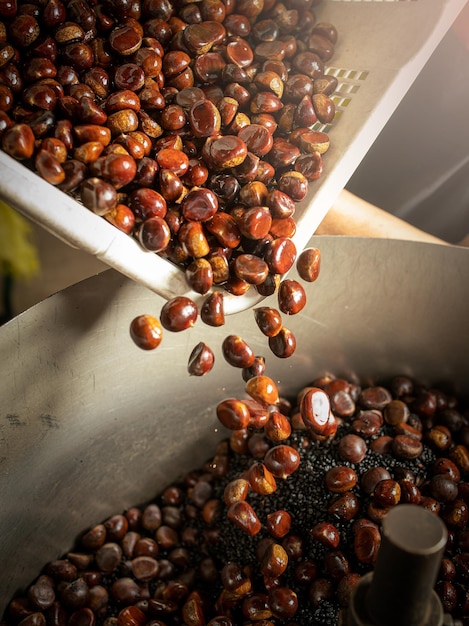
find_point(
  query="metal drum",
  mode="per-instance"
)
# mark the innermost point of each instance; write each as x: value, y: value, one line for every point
x: 90, y: 424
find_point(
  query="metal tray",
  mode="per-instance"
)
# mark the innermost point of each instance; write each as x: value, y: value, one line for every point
x: 382, y: 47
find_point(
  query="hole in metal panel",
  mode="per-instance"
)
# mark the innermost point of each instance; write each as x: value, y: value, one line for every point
x: 348, y: 85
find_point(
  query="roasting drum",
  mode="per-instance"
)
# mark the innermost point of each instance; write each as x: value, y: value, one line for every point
x: 90, y: 424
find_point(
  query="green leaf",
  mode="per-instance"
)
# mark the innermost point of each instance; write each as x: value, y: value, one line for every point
x: 18, y: 255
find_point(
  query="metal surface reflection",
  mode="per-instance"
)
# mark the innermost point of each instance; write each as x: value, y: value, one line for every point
x: 90, y: 424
